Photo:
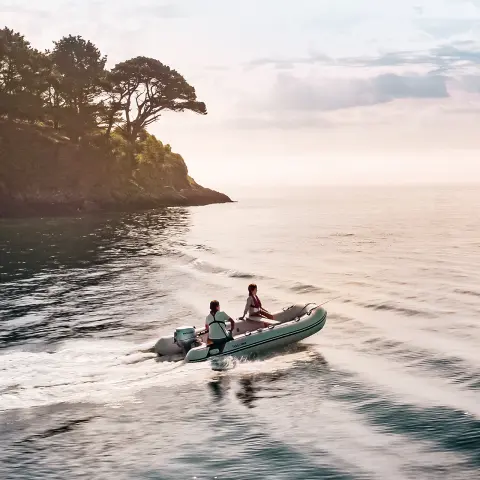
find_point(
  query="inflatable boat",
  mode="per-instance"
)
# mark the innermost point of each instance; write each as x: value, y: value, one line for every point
x: 251, y: 336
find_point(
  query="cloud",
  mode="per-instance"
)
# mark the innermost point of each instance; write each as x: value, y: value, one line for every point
x: 309, y: 102
x: 289, y: 63
x: 469, y: 83
x: 139, y: 9
x: 320, y: 94
x: 444, y: 57
x: 442, y: 28
x: 390, y: 86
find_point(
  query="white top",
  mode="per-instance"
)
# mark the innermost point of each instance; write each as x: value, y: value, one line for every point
x: 217, y: 329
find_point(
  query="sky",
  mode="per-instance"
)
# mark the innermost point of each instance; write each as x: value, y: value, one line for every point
x: 303, y: 92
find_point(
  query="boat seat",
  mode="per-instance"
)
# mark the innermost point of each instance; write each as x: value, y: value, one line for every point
x: 263, y: 321
x: 270, y: 322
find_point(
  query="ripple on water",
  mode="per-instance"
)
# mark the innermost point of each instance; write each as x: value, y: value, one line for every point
x: 388, y: 390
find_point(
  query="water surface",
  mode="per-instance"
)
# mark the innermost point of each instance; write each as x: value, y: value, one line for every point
x: 390, y: 389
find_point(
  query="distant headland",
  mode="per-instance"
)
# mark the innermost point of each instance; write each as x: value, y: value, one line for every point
x: 73, y: 135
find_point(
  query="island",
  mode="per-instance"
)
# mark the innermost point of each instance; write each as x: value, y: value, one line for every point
x: 73, y: 134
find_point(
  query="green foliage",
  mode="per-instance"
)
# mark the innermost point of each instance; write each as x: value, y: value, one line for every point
x: 143, y: 88
x: 22, y: 78
x: 66, y: 121
x: 151, y: 151
x: 71, y: 88
x: 76, y: 81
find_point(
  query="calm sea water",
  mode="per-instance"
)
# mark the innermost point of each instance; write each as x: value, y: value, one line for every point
x: 390, y: 389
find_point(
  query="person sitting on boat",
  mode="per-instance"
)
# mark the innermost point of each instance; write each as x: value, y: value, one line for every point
x: 216, y: 326
x: 254, y: 305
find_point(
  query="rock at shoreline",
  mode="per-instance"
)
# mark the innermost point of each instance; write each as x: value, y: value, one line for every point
x: 58, y: 205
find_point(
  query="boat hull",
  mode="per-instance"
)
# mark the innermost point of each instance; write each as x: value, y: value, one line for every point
x: 264, y: 339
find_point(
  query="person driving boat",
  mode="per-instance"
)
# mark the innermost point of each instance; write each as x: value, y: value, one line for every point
x: 215, y: 324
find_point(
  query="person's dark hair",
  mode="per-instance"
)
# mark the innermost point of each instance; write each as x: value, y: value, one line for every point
x: 251, y: 288
x: 213, y: 305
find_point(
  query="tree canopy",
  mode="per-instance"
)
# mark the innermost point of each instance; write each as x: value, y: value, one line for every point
x: 71, y: 89
x: 143, y: 88
x: 76, y: 83
x: 22, y: 78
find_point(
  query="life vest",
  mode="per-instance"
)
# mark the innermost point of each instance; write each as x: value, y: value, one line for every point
x: 256, y: 302
x: 223, y: 326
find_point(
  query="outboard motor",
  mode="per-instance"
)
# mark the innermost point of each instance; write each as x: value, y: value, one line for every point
x: 185, y: 338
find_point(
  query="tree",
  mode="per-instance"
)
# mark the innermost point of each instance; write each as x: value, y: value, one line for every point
x: 142, y: 89
x: 111, y: 114
x: 76, y: 83
x: 53, y: 101
x: 22, y: 79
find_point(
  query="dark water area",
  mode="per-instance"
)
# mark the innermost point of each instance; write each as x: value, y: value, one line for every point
x: 60, y: 270
x: 389, y: 389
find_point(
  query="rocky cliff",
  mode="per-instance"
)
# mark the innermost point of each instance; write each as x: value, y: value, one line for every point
x: 43, y: 173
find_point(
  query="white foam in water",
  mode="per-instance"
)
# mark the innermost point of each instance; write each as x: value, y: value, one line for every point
x: 103, y: 371
x: 85, y: 371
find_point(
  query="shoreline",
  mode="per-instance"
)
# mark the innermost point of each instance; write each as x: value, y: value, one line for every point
x: 38, y: 208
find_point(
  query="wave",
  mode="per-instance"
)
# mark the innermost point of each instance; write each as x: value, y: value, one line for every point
x: 443, y: 425
x: 207, y: 267
x: 236, y: 274
x: 358, y: 417
x: 410, y: 312
x: 467, y: 292
x: 210, y: 268
x: 65, y: 427
x: 410, y: 385
x: 445, y: 365
x: 203, y: 248
x: 308, y: 288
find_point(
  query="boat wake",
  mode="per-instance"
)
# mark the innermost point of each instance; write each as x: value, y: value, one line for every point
x: 109, y: 372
